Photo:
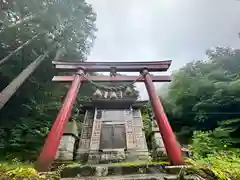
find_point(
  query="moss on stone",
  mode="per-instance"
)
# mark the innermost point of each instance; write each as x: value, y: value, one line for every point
x: 138, y: 163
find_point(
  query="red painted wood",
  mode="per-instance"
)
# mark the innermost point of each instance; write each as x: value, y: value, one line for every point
x: 113, y: 64
x: 106, y: 66
x: 112, y: 79
x: 97, y: 68
x: 50, y: 147
x: 173, y: 150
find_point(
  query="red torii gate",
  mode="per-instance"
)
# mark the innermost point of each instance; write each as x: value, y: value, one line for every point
x: 50, y: 147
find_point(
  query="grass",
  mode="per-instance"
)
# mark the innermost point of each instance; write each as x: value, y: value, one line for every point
x: 221, y: 165
x: 139, y: 163
x: 123, y: 164
x: 13, y: 165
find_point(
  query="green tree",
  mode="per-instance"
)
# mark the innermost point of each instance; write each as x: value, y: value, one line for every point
x: 205, y: 94
x: 28, y: 29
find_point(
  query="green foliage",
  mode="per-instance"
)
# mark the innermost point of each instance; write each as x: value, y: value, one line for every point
x: 125, y: 164
x: 16, y: 170
x: 202, y: 106
x: 147, y: 125
x: 205, y: 143
x: 212, y: 153
x: 205, y: 94
x: 67, y: 25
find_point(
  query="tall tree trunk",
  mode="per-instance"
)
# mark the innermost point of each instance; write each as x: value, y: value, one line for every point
x: 4, y: 60
x: 9, y: 91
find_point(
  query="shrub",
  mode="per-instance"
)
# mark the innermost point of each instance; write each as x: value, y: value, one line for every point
x: 17, y: 170
x: 213, y: 155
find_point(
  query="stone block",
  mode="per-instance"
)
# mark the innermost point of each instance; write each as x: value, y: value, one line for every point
x: 82, y: 156
x: 84, y: 144
x: 137, y: 155
x: 155, y: 129
x: 65, y: 156
x: 159, y: 151
x: 71, y: 128
x: 140, y: 142
x: 86, y: 132
x: 66, y: 148
x: 158, y: 142
x: 176, y: 169
x: 101, y: 171
x: 76, y: 171
x: 112, y: 156
x: 138, y: 130
x: 137, y: 121
x: 94, y: 157
x: 88, y: 119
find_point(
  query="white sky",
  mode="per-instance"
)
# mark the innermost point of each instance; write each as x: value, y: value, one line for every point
x: 181, y: 30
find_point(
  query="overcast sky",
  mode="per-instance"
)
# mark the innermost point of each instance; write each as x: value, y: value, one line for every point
x: 181, y: 30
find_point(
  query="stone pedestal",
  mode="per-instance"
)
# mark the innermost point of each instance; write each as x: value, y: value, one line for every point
x: 133, y: 155
x: 67, y: 143
x: 71, y: 129
x: 66, y: 148
x: 93, y: 157
x: 159, y: 151
x: 112, y: 156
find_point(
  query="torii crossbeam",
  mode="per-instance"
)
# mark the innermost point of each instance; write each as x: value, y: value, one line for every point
x: 50, y: 148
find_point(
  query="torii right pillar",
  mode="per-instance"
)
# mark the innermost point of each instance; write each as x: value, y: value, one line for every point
x: 172, y: 147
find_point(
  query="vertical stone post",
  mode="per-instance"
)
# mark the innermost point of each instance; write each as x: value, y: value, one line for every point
x: 129, y: 130
x: 86, y: 133
x: 94, y: 156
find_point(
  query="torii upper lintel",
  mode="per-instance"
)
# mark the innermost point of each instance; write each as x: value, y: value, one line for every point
x: 152, y: 66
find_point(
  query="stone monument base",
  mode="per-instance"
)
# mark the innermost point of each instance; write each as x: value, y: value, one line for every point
x: 137, y: 155
x: 112, y: 156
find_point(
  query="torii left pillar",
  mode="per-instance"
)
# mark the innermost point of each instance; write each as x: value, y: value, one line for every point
x: 50, y: 147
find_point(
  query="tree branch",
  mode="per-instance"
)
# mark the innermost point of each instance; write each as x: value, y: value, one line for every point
x: 4, y: 60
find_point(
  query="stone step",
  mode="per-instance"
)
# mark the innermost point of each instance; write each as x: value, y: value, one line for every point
x: 176, y: 169
x: 122, y: 177
x: 157, y: 176
x: 75, y: 170
x: 110, y: 170
x: 124, y: 171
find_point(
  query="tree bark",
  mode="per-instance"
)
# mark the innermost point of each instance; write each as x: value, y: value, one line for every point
x: 10, y: 90
x: 4, y: 60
